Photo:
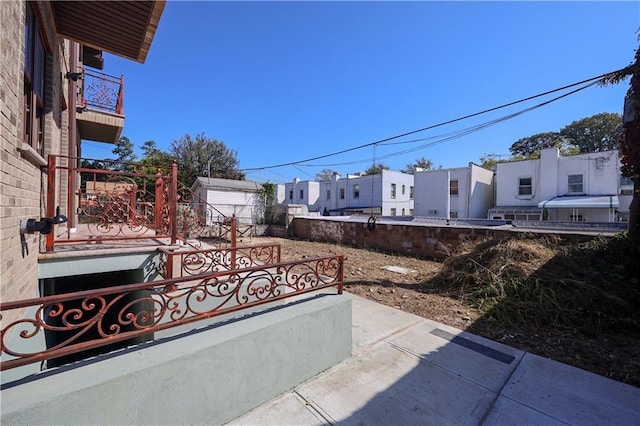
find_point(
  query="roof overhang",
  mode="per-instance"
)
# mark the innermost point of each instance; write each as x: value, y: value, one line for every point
x: 123, y: 28
x: 581, y: 202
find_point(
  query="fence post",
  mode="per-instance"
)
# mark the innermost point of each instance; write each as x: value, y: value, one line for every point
x: 234, y: 226
x: 173, y: 202
x: 51, y: 198
x: 159, y: 201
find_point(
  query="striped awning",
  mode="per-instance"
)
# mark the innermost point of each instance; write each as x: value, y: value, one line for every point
x: 581, y: 202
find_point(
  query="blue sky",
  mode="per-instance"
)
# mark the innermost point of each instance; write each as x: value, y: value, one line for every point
x: 280, y: 82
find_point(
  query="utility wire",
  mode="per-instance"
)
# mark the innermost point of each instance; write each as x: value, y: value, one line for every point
x: 457, y: 134
x: 592, y: 79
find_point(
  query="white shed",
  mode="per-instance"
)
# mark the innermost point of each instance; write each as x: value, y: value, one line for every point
x: 229, y: 197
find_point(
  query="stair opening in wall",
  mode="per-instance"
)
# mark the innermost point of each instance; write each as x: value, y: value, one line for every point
x: 135, y: 302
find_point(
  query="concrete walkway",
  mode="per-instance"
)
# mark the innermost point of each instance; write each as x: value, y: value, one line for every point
x: 407, y: 370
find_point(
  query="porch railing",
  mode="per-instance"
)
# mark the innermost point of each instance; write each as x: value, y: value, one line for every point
x: 95, y: 318
x: 178, y: 263
x: 118, y: 201
x: 101, y: 92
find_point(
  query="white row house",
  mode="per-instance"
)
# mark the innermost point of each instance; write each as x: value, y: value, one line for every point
x: 300, y: 192
x: 463, y: 192
x: 577, y: 188
x: 583, y: 187
x: 389, y: 193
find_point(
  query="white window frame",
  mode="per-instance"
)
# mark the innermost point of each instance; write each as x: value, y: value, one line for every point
x: 522, y: 186
x: 573, y: 186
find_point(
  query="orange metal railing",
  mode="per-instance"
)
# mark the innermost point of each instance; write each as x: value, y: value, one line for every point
x: 90, y: 319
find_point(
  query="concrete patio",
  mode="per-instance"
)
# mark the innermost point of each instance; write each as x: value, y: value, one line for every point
x: 407, y: 370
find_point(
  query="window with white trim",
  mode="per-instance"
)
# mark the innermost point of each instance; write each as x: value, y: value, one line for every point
x: 393, y: 190
x: 356, y: 191
x: 575, y: 184
x: 524, y: 186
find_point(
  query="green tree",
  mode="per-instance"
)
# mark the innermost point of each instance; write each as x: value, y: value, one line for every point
x: 421, y: 163
x: 198, y: 155
x: 529, y: 147
x: 599, y: 132
x: 489, y: 160
x: 124, y: 154
x: 324, y: 174
x: 629, y: 141
x: 376, y: 169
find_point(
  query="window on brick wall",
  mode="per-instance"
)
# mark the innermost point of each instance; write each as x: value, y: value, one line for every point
x: 34, y: 75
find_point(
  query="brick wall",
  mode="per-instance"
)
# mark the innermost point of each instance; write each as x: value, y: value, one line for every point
x: 419, y: 240
x: 23, y: 183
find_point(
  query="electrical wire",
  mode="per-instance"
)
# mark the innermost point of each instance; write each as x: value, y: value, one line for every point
x: 457, y: 134
x: 592, y: 79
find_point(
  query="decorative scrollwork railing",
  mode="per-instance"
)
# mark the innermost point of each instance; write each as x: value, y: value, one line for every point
x: 178, y: 263
x: 102, y: 92
x: 95, y: 318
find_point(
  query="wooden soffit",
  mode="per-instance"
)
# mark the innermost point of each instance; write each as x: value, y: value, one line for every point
x: 123, y: 28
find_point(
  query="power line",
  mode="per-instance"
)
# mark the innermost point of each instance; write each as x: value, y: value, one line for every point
x: 459, y: 133
x: 592, y: 79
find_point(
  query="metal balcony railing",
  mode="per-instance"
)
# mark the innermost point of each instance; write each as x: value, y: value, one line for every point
x: 101, y: 92
x: 95, y: 318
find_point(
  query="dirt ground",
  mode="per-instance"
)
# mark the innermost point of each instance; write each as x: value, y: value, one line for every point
x: 608, y: 354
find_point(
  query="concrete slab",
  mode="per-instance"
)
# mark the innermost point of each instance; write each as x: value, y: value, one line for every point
x: 399, y: 270
x: 567, y: 394
x: 407, y: 370
x: 373, y: 322
x: 461, y: 353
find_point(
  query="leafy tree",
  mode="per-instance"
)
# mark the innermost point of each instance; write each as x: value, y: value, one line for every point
x: 196, y: 156
x: 266, y: 208
x: 124, y: 154
x: 376, y: 169
x: 529, y: 147
x: 629, y: 141
x: 489, y: 160
x: 324, y: 174
x: 422, y: 163
x: 599, y: 132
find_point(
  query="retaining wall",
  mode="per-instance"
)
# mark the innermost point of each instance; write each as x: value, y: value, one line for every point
x: 405, y: 237
x: 209, y: 376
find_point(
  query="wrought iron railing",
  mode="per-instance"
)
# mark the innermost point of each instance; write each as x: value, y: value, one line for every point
x: 101, y: 92
x: 118, y: 201
x: 179, y: 263
x: 94, y: 318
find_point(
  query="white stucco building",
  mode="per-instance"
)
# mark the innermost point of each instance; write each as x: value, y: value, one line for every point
x: 389, y: 193
x: 462, y: 192
x: 577, y: 188
x: 229, y: 197
x: 302, y: 192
